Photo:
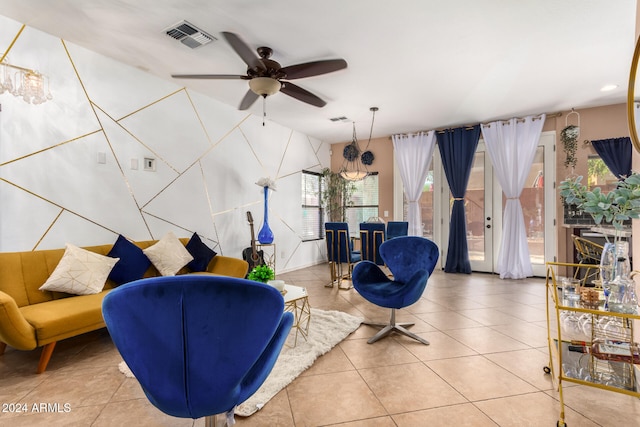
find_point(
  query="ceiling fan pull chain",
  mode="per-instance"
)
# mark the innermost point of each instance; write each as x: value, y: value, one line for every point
x: 264, y: 109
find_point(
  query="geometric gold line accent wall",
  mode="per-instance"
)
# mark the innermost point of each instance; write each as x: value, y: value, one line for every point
x: 208, y: 156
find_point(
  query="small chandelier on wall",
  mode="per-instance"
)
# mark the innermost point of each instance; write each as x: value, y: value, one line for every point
x: 24, y: 83
x: 356, y: 161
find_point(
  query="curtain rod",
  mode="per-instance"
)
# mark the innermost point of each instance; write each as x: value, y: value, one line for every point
x: 470, y: 127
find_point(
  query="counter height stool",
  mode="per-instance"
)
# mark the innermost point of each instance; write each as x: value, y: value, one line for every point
x: 339, y: 252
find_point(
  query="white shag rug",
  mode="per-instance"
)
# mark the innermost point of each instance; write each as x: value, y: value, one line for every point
x: 326, y: 329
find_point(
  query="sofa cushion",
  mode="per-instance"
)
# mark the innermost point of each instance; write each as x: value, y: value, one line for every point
x: 79, y: 272
x: 133, y: 262
x: 168, y: 255
x: 201, y: 253
x: 66, y: 317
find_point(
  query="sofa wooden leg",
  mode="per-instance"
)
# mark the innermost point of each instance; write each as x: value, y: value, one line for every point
x: 47, y: 350
x: 2, y: 347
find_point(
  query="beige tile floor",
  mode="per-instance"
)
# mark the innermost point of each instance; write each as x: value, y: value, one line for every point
x: 484, y: 367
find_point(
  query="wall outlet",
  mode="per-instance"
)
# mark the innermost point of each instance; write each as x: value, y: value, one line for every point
x: 149, y: 164
x: 134, y: 164
x: 386, y: 214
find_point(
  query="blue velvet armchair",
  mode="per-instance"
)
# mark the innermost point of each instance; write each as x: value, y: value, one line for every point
x: 198, y: 345
x: 411, y: 260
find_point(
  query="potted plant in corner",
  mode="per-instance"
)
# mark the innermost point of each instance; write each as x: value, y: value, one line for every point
x: 336, y: 195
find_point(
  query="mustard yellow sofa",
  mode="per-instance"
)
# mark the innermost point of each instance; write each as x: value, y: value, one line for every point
x: 31, y: 318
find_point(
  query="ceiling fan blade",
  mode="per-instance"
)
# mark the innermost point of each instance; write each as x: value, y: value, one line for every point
x: 244, y: 51
x: 209, y: 76
x: 301, y: 94
x: 249, y: 98
x: 315, y: 68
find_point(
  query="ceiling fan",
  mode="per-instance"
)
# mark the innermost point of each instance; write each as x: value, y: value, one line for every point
x: 267, y: 76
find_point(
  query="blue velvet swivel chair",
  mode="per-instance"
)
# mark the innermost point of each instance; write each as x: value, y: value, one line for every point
x: 340, y: 252
x: 411, y: 260
x: 397, y: 229
x: 198, y: 345
x: 372, y: 234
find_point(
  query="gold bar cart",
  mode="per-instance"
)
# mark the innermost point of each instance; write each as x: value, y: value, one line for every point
x: 591, y: 345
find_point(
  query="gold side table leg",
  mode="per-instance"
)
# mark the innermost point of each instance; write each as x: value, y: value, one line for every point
x: 301, y: 310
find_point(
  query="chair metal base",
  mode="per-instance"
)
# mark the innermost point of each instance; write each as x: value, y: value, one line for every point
x: 225, y: 419
x: 393, y: 326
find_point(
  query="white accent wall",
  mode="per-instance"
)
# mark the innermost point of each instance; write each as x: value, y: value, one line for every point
x: 208, y: 156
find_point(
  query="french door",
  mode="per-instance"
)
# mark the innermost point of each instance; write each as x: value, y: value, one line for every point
x: 484, y: 203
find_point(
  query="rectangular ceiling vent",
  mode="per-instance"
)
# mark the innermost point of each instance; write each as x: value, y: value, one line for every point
x: 339, y: 119
x: 189, y: 34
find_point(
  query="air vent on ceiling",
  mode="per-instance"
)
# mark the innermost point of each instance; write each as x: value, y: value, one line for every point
x: 339, y: 119
x: 189, y: 34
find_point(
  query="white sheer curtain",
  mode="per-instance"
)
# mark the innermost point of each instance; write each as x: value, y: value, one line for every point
x: 511, y: 146
x: 413, y: 156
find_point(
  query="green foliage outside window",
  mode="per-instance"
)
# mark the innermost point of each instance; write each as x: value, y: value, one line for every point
x: 597, y: 171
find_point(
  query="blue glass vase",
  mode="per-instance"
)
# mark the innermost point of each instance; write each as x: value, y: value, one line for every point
x: 265, y: 235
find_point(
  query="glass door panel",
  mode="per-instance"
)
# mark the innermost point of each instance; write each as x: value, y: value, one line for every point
x: 475, y: 210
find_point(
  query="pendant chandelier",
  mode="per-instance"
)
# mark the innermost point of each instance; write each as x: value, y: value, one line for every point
x: 24, y: 83
x: 356, y: 161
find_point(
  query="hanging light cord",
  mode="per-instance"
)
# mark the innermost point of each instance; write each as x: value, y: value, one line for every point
x: 373, y: 109
x: 354, y: 138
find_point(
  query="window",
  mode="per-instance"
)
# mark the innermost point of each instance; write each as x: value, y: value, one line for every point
x: 364, y: 201
x: 311, y: 206
x: 599, y: 174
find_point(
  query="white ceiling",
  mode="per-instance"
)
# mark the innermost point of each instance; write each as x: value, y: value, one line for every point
x: 425, y: 63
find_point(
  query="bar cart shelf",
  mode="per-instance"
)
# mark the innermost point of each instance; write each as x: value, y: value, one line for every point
x: 592, y: 346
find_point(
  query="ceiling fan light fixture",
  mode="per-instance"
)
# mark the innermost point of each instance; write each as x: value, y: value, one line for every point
x: 264, y: 86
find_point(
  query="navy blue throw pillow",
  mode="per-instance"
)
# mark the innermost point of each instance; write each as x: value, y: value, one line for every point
x: 201, y: 253
x: 133, y: 262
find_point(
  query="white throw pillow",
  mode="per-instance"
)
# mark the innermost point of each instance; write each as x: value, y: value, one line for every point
x: 168, y: 255
x: 80, y: 272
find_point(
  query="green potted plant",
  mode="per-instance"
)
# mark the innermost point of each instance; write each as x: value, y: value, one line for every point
x: 261, y: 273
x: 569, y: 138
x: 336, y: 195
x: 614, y: 207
